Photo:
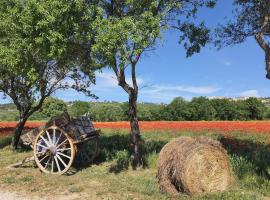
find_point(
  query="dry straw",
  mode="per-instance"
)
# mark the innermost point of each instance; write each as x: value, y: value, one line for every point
x: 194, y: 166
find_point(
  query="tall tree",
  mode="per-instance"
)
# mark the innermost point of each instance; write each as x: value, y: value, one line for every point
x: 251, y: 19
x: 41, y: 51
x: 130, y: 28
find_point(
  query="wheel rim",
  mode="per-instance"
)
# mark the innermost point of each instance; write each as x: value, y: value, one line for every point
x: 54, y: 151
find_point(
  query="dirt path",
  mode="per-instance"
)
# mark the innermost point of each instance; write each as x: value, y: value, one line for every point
x: 10, y: 196
x: 7, y: 195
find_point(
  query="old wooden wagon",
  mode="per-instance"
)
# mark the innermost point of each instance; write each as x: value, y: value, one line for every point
x: 60, y: 141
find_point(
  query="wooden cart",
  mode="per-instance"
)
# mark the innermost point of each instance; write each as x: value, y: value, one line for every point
x: 62, y: 139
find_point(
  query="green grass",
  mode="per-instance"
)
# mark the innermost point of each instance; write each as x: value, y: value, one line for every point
x: 112, y: 177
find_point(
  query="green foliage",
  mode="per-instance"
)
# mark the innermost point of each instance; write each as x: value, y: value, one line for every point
x: 241, y: 166
x: 150, y: 111
x: 51, y: 107
x: 121, y: 162
x: 225, y: 109
x: 255, y: 108
x: 40, y: 44
x: 108, y: 112
x: 178, y: 110
x: 8, y: 112
x: 266, y: 113
x: 5, y: 141
x: 200, y: 108
x: 78, y: 108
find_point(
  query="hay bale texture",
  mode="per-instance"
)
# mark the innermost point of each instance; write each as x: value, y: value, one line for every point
x: 194, y: 166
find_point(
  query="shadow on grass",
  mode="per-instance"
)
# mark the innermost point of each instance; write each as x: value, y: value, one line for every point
x: 5, y: 141
x: 6, y: 135
x: 116, y: 148
x: 256, y: 153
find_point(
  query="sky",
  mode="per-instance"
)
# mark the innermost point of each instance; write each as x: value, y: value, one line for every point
x: 166, y: 73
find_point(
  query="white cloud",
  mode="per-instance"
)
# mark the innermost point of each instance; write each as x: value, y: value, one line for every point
x: 250, y: 93
x: 108, y: 79
x: 107, y: 89
x: 161, y: 93
x: 203, y: 90
x: 227, y: 63
x: 107, y: 83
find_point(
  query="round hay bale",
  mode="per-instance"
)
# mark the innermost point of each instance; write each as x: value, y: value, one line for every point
x: 193, y: 166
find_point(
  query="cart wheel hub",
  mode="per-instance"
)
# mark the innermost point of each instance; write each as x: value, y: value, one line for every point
x: 53, y: 150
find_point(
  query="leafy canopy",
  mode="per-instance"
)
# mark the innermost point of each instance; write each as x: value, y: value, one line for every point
x: 127, y: 28
x: 41, y: 49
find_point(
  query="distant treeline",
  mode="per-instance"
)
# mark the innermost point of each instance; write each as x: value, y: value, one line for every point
x: 199, y: 108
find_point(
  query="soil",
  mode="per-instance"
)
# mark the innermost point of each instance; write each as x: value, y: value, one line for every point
x: 8, y: 195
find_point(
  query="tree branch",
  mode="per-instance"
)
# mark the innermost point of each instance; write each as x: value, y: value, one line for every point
x: 261, y: 42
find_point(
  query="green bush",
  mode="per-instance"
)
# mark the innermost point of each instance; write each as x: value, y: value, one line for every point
x: 51, y: 108
x: 78, y: 108
x: 199, y: 108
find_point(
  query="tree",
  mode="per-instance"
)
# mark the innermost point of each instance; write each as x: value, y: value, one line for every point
x: 41, y: 51
x: 255, y: 108
x: 178, y: 109
x: 225, y: 109
x: 200, y: 108
x: 252, y: 19
x: 242, y: 112
x: 130, y: 28
x: 108, y: 111
x: 51, y: 107
x: 79, y: 108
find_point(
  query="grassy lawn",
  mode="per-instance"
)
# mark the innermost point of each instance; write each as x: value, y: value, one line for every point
x: 112, y: 178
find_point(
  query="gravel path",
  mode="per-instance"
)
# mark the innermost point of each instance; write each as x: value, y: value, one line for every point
x: 7, y: 195
x: 10, y: 196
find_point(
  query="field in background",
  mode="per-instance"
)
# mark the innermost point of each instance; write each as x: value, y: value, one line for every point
x: 254, y: 127
x: 111, y: 177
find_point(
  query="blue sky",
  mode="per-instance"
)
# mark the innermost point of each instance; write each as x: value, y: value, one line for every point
x: 167, y: 73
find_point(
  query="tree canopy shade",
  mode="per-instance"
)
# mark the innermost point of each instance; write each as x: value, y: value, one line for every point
x: 42, y: 49
x: 129, y: 28
x: 251, y: 19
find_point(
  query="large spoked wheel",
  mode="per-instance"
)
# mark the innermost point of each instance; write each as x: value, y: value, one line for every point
x: 54, y: 151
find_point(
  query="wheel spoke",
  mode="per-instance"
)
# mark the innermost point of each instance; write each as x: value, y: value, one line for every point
x: 61, y: 160
x: 62, y: 143
x: 48, y: 162
x: 46, y: 141
x: 41, y: 153
x: 57, y: 164
x: 61, y: 154
x: 49, y: 137
x: 52, y: 165
x: 54, y: 136
x: 65, y: 149
x: 58, y: 139
x: 42, y: 146
x: 43, y: 158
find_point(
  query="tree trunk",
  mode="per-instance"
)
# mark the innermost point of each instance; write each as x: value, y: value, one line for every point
x: 267, y: 63
x: 18, y: 132
x: 136, y: 142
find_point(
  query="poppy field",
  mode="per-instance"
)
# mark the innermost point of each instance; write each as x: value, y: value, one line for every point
x: 256, y: 127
